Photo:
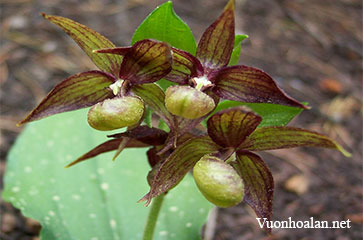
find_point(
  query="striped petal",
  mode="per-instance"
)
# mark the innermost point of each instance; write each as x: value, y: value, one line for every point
x: 147, y: 61
x: 269, y: 138
x: 248, y: 84
x: 230, y: 127
x: 154, y: 97
x: 216, y: 45
x: 78, y: 91
x: 258, y: 182
x: 185, y: 66
x: 89, y: 40
x: 177, y: 165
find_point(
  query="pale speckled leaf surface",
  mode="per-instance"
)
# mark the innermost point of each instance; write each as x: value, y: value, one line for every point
x: 96, y: 199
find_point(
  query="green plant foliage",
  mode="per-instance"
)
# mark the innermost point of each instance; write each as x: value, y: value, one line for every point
x: 164, y: 24
x: 96, y: 199
x: 272, y: 114
x: 236, y: 49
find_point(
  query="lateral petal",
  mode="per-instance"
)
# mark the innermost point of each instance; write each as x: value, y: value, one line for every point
x: 258, y: 182
x: 78, y: 91
x: 249, y: 84
x: 269, y: 138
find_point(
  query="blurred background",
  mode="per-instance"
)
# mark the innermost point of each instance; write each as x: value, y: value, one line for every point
x: 313, y: 49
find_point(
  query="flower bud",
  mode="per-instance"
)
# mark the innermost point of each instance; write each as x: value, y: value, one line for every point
x: 188, y: 102
x: 116, y: 113
x: 218, y: 181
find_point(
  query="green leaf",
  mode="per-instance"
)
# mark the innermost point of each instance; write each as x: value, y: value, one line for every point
x: 164, y: 25
x: 78, y: 91
x: 89, y: 40
x: 269, y: 138
x: 96, y: 199
x: 236, y: 49
x: 272, y: 114
x: 230, y: 127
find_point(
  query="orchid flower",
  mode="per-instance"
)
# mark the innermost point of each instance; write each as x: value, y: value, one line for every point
x: 233, y: 136
x: 145, y: 62
x: 208, y: 70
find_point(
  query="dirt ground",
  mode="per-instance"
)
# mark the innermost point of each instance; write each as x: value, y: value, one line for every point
x: 312, y: 48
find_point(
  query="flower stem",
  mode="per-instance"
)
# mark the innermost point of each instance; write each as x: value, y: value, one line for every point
x: 153, y: 216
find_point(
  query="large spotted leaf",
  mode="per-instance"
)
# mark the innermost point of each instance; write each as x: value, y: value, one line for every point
x: 98, y: 198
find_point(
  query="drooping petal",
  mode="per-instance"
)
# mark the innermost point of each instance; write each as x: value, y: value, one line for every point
x: 248, y: 84
x: 147, y: 61
x: 89, y: 40
x: 185, y: 66
x: 107, y: 146
x: 230, y: 127
x: 258, y: 182
x: 216, y: 45
x: 177, y: 165
x: 152, y: 156
x: 269, y: 138
x: 144, y: 134
x: 154, y: 97
x: 78, y: 91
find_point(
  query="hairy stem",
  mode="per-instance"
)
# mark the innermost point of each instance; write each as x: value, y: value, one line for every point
x: 153, y: 217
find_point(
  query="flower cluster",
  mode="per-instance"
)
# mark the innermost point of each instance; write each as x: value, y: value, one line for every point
x: 224, y: 167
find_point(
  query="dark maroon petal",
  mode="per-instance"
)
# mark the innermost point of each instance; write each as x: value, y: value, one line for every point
x: 144, y: 134
x: 248, y: 84
x: 117, y: 50
x: 107, y: 146
x: 153, y: 157
x: 147, y: 61
x: 78, y: 91
x: 269, y: 138
x: 185, y: 66
x: 177, y: 165
x: 89, y: 40
x: 230, y: 127
x: 258, y: 181
x: 154, y: 97
x: 216, y: 45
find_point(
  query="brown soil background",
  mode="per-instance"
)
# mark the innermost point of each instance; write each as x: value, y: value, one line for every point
x: 313, y: 49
